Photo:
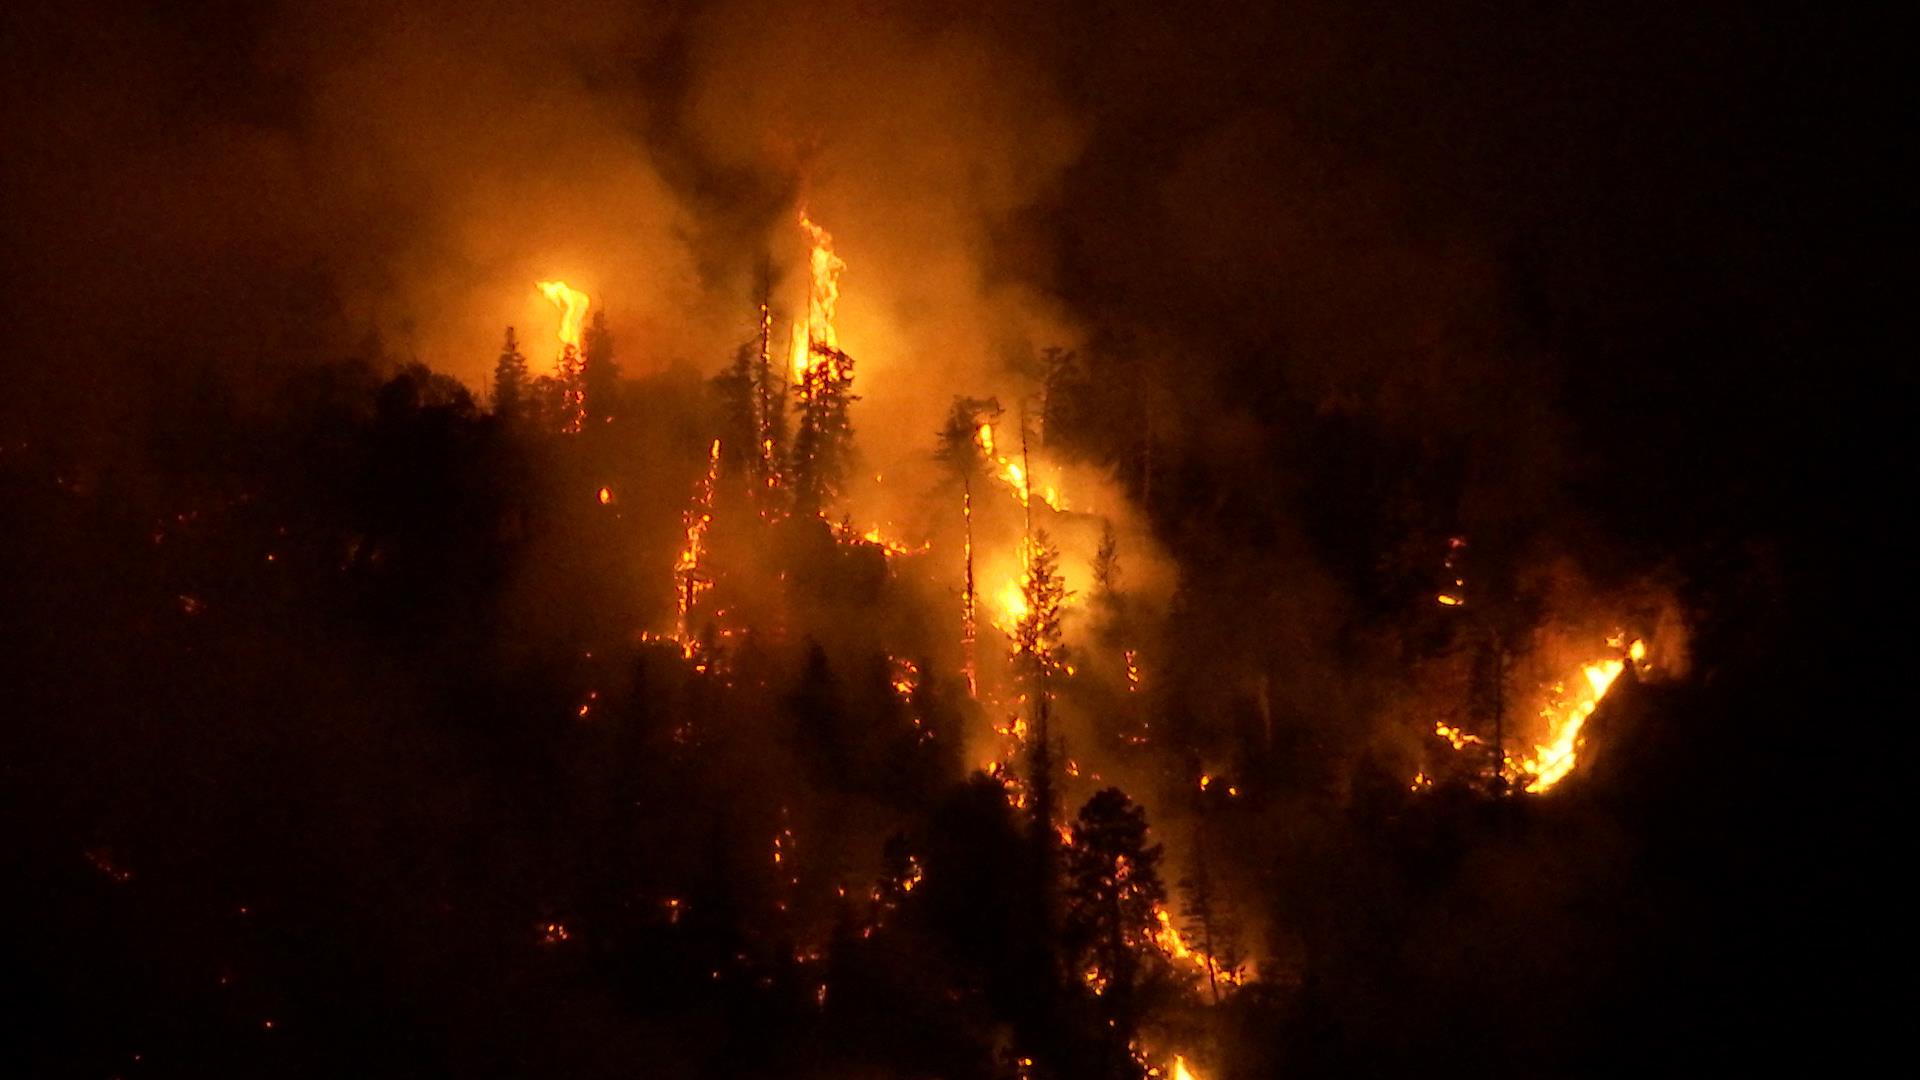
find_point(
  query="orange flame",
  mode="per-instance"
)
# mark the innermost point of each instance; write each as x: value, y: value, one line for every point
x: 1552, y: 760
x: 573, y: 309
x: 1168, y: 937
x: 1014, y: 475
x: 1565, y: 711
x: 689, y: 583
x: 823, y: 297
x: 824, y: 267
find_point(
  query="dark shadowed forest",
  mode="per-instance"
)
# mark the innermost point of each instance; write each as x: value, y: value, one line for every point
x: 942, y: 541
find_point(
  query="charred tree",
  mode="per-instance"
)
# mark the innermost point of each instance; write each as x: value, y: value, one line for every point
x: 770, y: 402
x: 963, y: 451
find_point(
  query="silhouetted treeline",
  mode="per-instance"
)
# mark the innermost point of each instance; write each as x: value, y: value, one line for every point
x: 346, y: 738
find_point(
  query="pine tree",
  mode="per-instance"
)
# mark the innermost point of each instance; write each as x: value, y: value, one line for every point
x: 823, y: 440
x: 1037, y: 636
x: 1109, y: 606
x: 599, y: 375
x: 509, y: 380
x: 1113, y: 888
x: 569, y: 388
x: 1210, y: 922
x: 740, y: 422
x: 960, y: 450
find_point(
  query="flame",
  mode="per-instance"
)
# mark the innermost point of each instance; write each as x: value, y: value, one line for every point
x: 1554, y: 759
x: 1170, y: 941
x: 823, y: 297
x: 689, y: 583
x: 573, y: 309
x: 824, y: 268
x: 1565, y: 712
x: 906, y: 677
x: 799, y: 353
x: 892, y: 547
x: 1014, y: 475
x: 1013, y: 606
x: 1457, y: 738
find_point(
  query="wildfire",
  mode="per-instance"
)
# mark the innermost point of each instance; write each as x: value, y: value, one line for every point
x: 1565, y: 712
x: 1013, y: 606
x: 1014, y: 475
x: 571, y: 366
x: 573, y: 310
x: 689, y: 583
x: 880, y: 540
x: 823, y: 296
x: 1170, y: 941
x: 799, y: 351
x: 825, y: 267
x: 906, y: 677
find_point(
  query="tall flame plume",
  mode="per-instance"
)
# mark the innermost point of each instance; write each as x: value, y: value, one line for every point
x: 573, y: 309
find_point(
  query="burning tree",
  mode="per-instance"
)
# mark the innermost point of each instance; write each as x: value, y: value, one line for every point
x: 822, y: 381
x: 1038, y: 635
x: 1210, y: 922
x: 1040, y: 652
x: 965, y: 446
x: 567, y: 384
x: 1114, y: 893
x: 753, y: 400
x: 769, y: 401
x: 823, y: 438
